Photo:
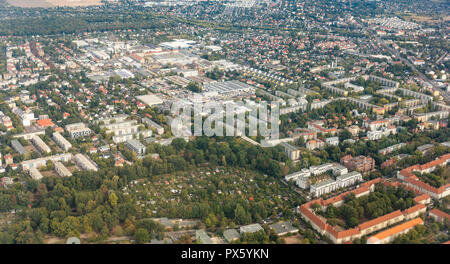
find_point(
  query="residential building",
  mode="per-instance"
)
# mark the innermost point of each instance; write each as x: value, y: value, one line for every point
x: 392, y: 148
x: 292, y: 152
x: 62, y: 170
x: 84, y: 163
x: 361, y: 163
x: 332, y: 141
x: 383, y: 132
x: 136, y: 146
x: 8, y: 159
x: 315, y: 144
x: 425, y: 148
x: 62, y: 142
x: 18, y: 147
x: 41, y: 162
x: 159, y: 129
x: 411, y: 180
x: 390, y: 234
x: 438, y: 215
x: 26, y: 117
x: 78, y: 130
x: 363, y: 229
x: 35, y: 174
x: 202, y: 237
x: 438, y: 115
x: 40, y: 145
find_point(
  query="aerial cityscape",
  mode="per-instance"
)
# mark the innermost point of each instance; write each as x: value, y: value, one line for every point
x: 224, y: 122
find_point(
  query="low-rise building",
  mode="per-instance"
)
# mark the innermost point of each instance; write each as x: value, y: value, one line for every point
x: 8, y: 159
x: 411, y: 180
x: 231, y: 235
x: 250, y: 228
x: 41, y: 162
x: 283, y: 228
x: 392, y: 148
x: 342, y: 236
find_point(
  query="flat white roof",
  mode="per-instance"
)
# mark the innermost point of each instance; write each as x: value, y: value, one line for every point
x: 150, y: 99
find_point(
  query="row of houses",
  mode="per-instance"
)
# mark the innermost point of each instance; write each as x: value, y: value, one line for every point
x: 411, y: 180
x: 321, y: 226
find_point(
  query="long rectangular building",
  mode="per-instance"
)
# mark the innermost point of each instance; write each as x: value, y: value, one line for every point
x: 40, y: 145
x: 84, y: 163
x: 390, y: 234
x: 41, y: 162
x: 35, y: 174
x: 18, y: 147
x: 136, y: 146
x: 159, y: 129
x: 62, y: 170
x: 61, y: 141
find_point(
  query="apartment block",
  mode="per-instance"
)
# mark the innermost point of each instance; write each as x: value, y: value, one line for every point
x: 40, y: 145
x: 62, y: 142
x: 159, y: 129
x: 292, y: 152
x: 136, y: 146
x: 84, y: 163
x: 78, y: 130
x: 62, y: 170
x: 361, y: 163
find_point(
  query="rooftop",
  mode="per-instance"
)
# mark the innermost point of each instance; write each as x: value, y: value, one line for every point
x: 396, y: 229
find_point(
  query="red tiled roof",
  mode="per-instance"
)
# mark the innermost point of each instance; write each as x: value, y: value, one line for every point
x: 412, y: 179
x: 380, y: 220
x: 398, y: 228
x: 422, y: 197
x: 45, y: 122
x: 439, y: 213
x: 413, y: 209
x: 364, y: 187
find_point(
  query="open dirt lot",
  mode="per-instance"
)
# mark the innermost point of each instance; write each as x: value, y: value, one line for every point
x: 53, y: 3
x: 295, y: 239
